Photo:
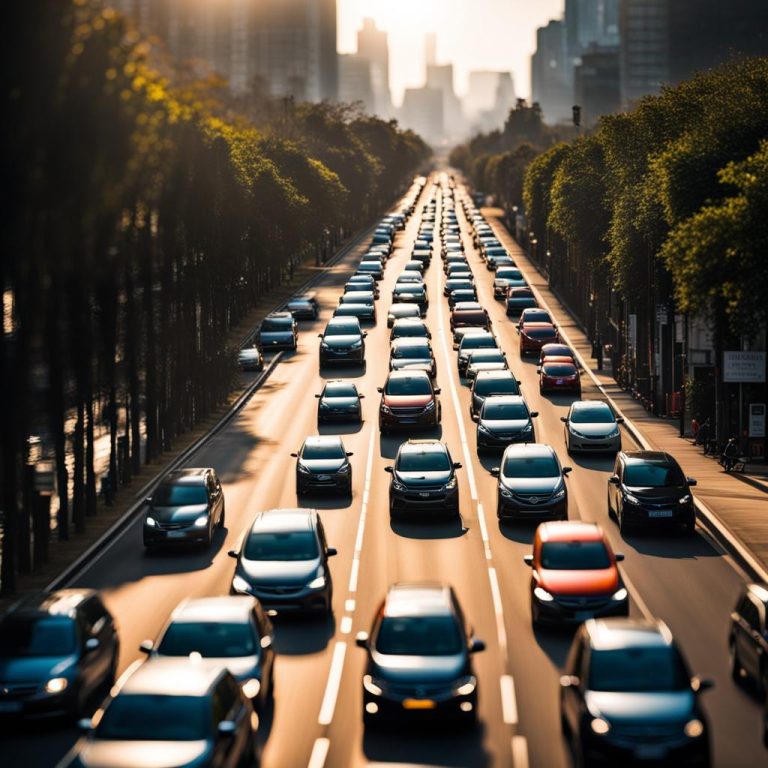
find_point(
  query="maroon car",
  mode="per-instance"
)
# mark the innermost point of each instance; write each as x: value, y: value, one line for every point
x: 559, y: 374
x: 556, y: 350
x: 533, y: 336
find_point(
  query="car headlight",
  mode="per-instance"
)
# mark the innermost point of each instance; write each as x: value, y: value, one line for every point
x: 615, y: 433
x: 600, y: 726
x: 303, y: 469
x: 450, y: 485
x: 559, y: 493
x: 201, y: 521
x: 430, y: 406
x: 239, y: 584
x: 386, y: 409
x: 370, y: 686
x: 482, y: 428
x: 317, y: 583
x: 324, y: 345
x: 575, y: 432
x: 464, y: 686
x: 619, y: 595
x: 397, y: 485
x: 527, y: 428
x: 631, y: 498
x: 150, y: 521
x: 543, y: 595
x: 694, y: 729
x: 344, y: 469
x: 56, y: 685
x: 356, y: 344
x: 685, y: 499
x: 504, y: 492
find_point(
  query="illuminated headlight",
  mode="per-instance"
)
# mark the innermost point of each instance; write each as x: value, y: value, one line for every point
x: 56, y: 685
x: 303, y: 469
x: 371, y: 686
x: 317, y: 583
x: 685, y: 499
x: 694, y: 729
x: 201, y: 521
x: 543, y: 595
x: 619, y: 595
x: 632, y: 499
x: 150, y: 521
x: 450, y: 485
x: 559, y: 493
x: 600, y: 726
x: 465, y: 686
x: 239, y: 584
x: 251, y: 688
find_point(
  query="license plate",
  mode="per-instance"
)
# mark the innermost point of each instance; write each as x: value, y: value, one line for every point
x: 660, y: 513
x: 323, y: 477
x: 650, y: 752
x: 175, y: 534
x: 419, y: 704
x: 423, y: 495
x: 10, y: 706
x: 559, y: 381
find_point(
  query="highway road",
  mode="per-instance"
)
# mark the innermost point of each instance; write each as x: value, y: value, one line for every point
x: 316, y: 721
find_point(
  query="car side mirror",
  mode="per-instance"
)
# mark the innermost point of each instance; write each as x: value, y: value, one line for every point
x: 619, y: 419
x: 538, y: 370
x: 619, y: 556
x: 534, y: 414
x: 365, y: 333
x: 564, y: 419
x: 457, y: 465
x: 350, y: 453
x: 495, y: 471
x: 233, y: 553
x: 319, y: 335
x: 92, y: 644
x: 361, y: 640
x: 569, y: 681
x: 85, y: 725
x: 331, y: 551
x: 389, y: 469
x: 360, y: 397
x: 476, y: 645
x: 227, y: 728
x: 146, y: 646
x: 437, y: 390
x: 613, y: 479
x: 318, y: 396
x: 379, y: 389
x: 528, y: 560
x: 691, y: 481
x: 567, y: 470
x: 475, y: 417
x: 701, y: 684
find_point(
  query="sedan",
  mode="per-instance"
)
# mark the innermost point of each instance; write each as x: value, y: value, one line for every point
x: 556, y: 350
x: 372, y: 268
x: 339, y: 401
x: 534, y: 335
x: 471, y: 342
x: 399, y: 311
x: 304, y: 307
x: 591, y: 426
x: 485, y: 360
x: 278, y: 331
x: 748, y: 638
x: 408, y: 400
x: 534, y: 315
x: 415, y: 265
x: 488, y: 383
x: 412, y: 354
x: 461, y: 295
x: 519, y: 299
x: 424, y: 478
x: 409, y: 328
x: 362, y: 283
x: 506, y: 278
x: 457, y: 284
x: 419, y: 658
x: 503, y: 420
x: 574, y: 575
x: 410, y: 276
x: 411, y: 293
x: 250, y: 359
x: 559, y: 374
x: 343, y: 341
x: 322, y: 464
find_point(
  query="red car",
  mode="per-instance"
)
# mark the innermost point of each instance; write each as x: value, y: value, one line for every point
x: 556, y: 350
x: 408, y: 401
x: 559, y: 374
x: 533, y: 336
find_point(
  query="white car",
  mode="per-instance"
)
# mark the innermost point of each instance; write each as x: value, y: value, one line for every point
x: 591, y: 426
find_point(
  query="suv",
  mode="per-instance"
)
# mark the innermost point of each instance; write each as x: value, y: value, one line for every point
x: 185, y: 508
x: 503, y: 420
x: 627, y: 695
x: 342, y: 341
x: 322, y: 464
x: 408, y: 400
x: 304, y: 307
x: 278, y: 331
x: 57, y: 649
x: 419, y: 662
x: 412, y: 354
x: 424, y: 478
x: 748, y: 638
x: 488, y: 383
x: 649, y: 488
x: 283, y: 562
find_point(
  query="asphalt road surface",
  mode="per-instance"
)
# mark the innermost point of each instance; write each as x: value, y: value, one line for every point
x: 317, y: 720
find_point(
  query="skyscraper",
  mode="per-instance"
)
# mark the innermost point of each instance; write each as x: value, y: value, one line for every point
x: 551, y: 78
x: 355, y: 81
x: 373, y: 45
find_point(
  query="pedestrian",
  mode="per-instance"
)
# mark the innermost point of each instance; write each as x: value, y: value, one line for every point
x: 730, y: 454
x: 695, y: 430
x: 704, y: 431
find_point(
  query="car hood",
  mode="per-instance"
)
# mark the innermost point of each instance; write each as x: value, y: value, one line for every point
x: 523, y: 485
x: 35, y: 668
x: 411, y: 364
x: 336, y: 342
x: 418, y: 669
x: 498, y: 425
x: 99, y: 753
x: 185, y: 514
x: 488, y: 366
x: 642, y: 707
x: 340, y: 402
x: 658, y: 495
x: 595, y: 582
x: 406, y: 401
x: 275, y: 335
x: 416, y: 479
x: 280, y: 571
x: 323, y: 465
x: 593, y: 430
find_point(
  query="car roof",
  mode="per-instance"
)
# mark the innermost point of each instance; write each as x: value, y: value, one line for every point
x: 407, y: 308
x: 62, y: 602
x: 469, y: 306
x: 408, y: 375
x: 617, y: 633
x: 410, y: 341
x: 323, y: 441
x: 520, y: 450
x: 423, y: 446
x: 343, y: 320
x: 646, y: 457
x: 420, y: 599
x: 502, y: 374
x: 230, y: 608
x: 549, y: 360
x: 279, y: 316
x: 187, y: 476
x: 520, y: 292
x: 580, y: 405
x: 504, y: 400
x: 569, y: 530
x: 400, y: 322
x: 169, y: 676
x: 485, y: 352
x: 538, y: 325
x: 291, y: 519
x: 557, y: 345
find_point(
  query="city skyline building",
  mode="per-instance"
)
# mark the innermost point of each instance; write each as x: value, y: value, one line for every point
x: 373, y: 45
x: 551, y: 86
x: 356, y: 81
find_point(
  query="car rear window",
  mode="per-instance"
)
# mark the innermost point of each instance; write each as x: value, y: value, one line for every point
x: 575, y: 555
x: 419, y: 636
x: 638, y: 670
x: 211, y: 639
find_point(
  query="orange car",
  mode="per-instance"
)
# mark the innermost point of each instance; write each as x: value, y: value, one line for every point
x: 574, y: 574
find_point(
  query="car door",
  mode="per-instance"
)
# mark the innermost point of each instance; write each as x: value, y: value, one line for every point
x: 748, y: 636
x: 266, y: 634
x: 219, y: 496
x: 227, y: 704
x: 323, y: 549
x: 213, y: 499
x: 615, y: 490
x: 95, y: 651
x: 573, y: 694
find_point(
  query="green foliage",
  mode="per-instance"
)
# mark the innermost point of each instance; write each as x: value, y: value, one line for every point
x: 538, y: 183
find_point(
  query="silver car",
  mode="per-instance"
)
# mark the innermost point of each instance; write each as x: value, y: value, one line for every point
x: 592, y: 426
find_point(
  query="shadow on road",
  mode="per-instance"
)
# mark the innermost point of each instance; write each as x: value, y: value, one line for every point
x: 594, y: 462
x: 522, y: 533
x: 389, y: 444
x: 555, y: 642
x: 418, y: 527
x: 676, y: 545
x: 331, y: 372
x: 340, y: 428
x: 338, y: 500
x: 299, y: 635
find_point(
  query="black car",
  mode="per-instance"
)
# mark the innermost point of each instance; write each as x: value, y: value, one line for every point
x: 627, y: 697
x: 339, y: 401
x: 414, y: 293
x: 488, y: 383
x: 304, y: 307
x: 748, y: 638
x: 648, y: 488
x: 283, y: 562
x: 461, y: 295
x: 185, y: 508
x: 250, y: 359
x: 365, y: 313
x: 278, y: 331
x: 503, y: 420
x: 409, y: 327
x: 531, y: 484
x: 412, y: 354
x: 362, y: 283
x: 419, y: 665
x: 424, y: 478
x: 372, y: 268
x: 57, y: 649
x: 457, y: 284
x: 343, y: 341
x: 170, y: 712
x: 322, y: 464
x: 471, y: 342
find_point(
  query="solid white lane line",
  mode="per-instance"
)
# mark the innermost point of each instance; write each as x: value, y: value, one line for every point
x: 519, y: 752
x: 332, y: 686
x: 346, y: 625
x: 508, y: 700
x: 498, y: 609
x: 319, y: 753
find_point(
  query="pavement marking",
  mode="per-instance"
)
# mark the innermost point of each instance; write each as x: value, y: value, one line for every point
x: 353, y: 574
x: 355, y: 571
x: 519, y: 752
x: 319, y: 753
x: 346, y: 625
x: 334, y: 681
x: 349, y: 606
x: 508, y: 700
x: 498, y: 608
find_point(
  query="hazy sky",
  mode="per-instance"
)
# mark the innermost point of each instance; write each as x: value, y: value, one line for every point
x: 472, y: 34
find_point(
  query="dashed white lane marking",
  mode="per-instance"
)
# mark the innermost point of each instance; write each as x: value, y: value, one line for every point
x: 332, y: 687
x: 361, y: 522
x: 349, y: 606
x: 498, y: 608
x: 519, y: 752
x: 319, y: 753
x: 346, y: 625
x: 508, y: 700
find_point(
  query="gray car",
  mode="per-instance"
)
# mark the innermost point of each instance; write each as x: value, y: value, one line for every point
x: 592, y: 426
x: 412, y: 354
x: 278, y: 331
x: 492, y: 359
x: 185, y: 508
x: 322, y: 464
x: 283, y: 562
x: 402, y: 311
x: 503, y: 420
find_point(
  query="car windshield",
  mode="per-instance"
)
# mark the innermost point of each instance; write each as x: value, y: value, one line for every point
x: 313, y: 451
x: 299, y: 304
x: 540, y: 333
x: 592, y: 414
x: 341, y: 389
x: 653, y: 475
x: 419, y: 636
x: 531, y: 466
x: 536, y: 316
x: 413, y: 386
x: 276, y: 324
x: 574, y: 555
x: 179, y: 495
x: 492, y: 355
x: 637, y: 670
x: 458, y: 283
x: 342, y: 329
x: 486, y: 387
x: 284, y: 546
x: 411, y: 351
x: 423, y: 461
x: 477, y: 342
x: 520, y: 293
x: 155, y: 717
x: 211, y: 639
x: 559, y: 369
x: 505, y: 411
x: 36, y: 636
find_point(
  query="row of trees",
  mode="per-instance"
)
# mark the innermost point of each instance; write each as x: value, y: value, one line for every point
x: 142, y: 220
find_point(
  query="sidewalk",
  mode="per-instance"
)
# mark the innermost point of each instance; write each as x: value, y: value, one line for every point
x: 734, y: 507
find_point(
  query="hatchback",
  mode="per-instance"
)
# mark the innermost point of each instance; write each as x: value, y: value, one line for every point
x: 492, y: 359
x: 591, y: 426
x: 304, y: 307
x: 408, y: 400
x: 419, y: 664
x: 342, y: 341
x: 556, y: 350
x: 278, y: 331
x: 503, y: 420
x: 412, y: 354
x: 534, y: 315
x: 339, y: 401
x: 559, y: 374
x: 534, y: 335
x: 488, y: 383
x: 575, y: 576
x: 322, y: 464
x: 471, y: 342
x: 409, y: 328
x: 250, y: 359
x: 748, y: 638
x: 399, y: 311
x: 283, y: 562
x: 519, y: 299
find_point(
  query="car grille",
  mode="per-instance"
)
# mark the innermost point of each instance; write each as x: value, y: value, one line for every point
x: 11, y: 691
x: 582, y: 603
x: 529, y: 497
x: 648, y: 734
x: 278, y: 591
x: 419, y: 691
x: 172, y: 526
x: 410, y: 411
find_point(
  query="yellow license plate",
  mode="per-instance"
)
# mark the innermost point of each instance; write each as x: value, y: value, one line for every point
x: 419, y: 704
